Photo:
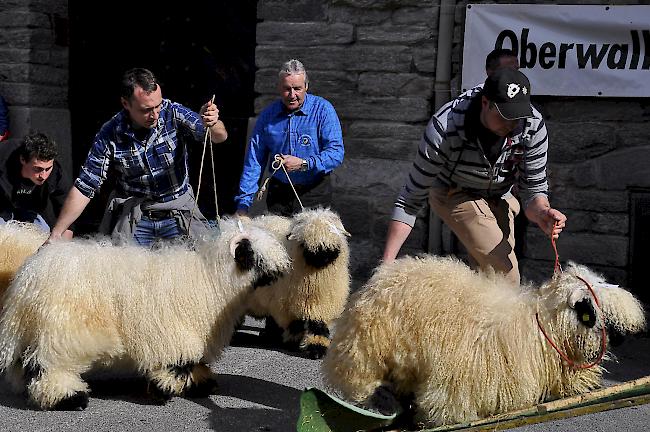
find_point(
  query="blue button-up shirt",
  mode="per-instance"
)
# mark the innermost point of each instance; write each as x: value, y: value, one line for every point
x: 312, y: 133
x: 156, y: 167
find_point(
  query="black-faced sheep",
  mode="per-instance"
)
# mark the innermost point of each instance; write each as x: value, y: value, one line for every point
x: 18, y: 240
x: 304, y: 303
x: 462, y: 345
x: 77, y: 304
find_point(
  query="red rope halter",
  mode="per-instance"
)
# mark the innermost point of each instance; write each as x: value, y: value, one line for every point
x: 603, y: 339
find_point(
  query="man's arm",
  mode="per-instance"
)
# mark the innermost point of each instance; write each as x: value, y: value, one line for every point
x: 398, y: 232
x: 540, y: 212
x: 210, y: 115
x: 330, y: 142
x: 74, y: 205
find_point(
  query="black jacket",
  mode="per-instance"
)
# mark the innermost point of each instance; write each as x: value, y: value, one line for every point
x: 46, y: 200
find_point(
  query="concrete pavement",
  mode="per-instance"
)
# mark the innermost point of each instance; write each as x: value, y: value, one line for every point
x: 259, y: 391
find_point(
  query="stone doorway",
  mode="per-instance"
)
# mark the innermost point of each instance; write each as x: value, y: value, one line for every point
x: 195, y: 52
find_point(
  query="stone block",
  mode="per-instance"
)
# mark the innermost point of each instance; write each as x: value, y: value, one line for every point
x: 13, y: 55
x: 59, y: 57
x: 584, y: 248
x: 15, y: 72
x: 300, y: 10
x: 623, y: 168
x: 365, y: 256
x: 35, y: 95
x: 382, y: 4
x: 353, y: 15
x: 319, y: 81
x: 409, y: 109
x: 303, y: 34
x: 632, y: 134
x: 567, y: 197
x: 574, y: 142
x: 594, y: 110
x: 401, y: 84
x: 378, y: 178
x: 372, y: 129
x: 409, y: 15
x: 381, y: 148
x: 400, y: 34
x: 41, y: 74
x: 355, y: 213
x: 351, y: 58
x: 596, y: 222
x: 424, y: 57
x: 21, y: 18
x: 19, y: 37
x: 263, y: 101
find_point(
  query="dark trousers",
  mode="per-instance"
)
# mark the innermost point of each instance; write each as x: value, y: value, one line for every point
x: 282, y: 200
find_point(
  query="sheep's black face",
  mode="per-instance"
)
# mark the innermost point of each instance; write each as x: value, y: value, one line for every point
x: 586, y: 313
x: 244, y: 255
x: 321, y: 256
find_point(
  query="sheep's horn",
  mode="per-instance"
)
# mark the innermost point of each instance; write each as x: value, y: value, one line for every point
x: 235, y: 241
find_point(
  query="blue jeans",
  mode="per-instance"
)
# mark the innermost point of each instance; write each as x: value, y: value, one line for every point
x: 148, y: 230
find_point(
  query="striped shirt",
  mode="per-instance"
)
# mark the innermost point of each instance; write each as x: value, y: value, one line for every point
x: 449, y: 156
x: 154, y: 167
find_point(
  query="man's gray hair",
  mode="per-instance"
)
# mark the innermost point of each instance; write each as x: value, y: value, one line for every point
x: 293, y: 67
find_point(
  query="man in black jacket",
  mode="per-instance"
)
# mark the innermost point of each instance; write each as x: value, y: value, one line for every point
x: 32, y: 183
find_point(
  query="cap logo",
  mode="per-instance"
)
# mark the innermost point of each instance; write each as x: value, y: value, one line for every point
x: 513, y: 90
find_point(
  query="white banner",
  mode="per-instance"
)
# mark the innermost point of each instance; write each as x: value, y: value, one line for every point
x: 565, y: 50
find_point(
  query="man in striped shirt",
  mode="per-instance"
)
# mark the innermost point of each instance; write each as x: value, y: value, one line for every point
x: 476, y: 151
x: 145, y: 146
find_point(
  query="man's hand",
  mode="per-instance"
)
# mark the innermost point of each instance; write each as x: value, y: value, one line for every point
x: 292, y: 163
x: 550, y: 220
x: 210, y: 114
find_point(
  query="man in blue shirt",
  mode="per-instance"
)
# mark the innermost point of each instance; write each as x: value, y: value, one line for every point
x: 145, y: 146
x: 304, y: 130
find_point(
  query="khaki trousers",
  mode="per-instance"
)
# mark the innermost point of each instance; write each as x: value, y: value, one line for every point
x: 484, y: 226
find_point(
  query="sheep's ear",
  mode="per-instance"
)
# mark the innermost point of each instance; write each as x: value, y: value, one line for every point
x: 586, y: 312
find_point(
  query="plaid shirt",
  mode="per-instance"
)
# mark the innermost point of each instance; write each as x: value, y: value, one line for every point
x: 156, y: 167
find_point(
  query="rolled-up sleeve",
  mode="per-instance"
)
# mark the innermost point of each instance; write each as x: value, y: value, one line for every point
x: 93, y: 171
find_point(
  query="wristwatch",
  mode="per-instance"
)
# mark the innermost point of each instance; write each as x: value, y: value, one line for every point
x: 304, y: 166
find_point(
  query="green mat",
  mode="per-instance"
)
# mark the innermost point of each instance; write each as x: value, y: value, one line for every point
x: 322, y: 412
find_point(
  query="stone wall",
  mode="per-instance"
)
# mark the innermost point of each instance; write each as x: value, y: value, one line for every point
x: 375, y: 61
x: 34, y: 69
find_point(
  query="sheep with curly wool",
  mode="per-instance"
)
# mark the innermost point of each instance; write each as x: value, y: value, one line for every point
x: 18, y: 240
x: 460, y: 345
x: 75, y: 305
x: 301, y: 306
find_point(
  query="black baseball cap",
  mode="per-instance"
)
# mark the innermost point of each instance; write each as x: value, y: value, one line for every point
x: 509, y: 89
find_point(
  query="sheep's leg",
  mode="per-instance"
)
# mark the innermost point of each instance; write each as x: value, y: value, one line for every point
x: 272, y: 332
x: 191, y: 379
x: 56, y: 389
x: 309, y: 336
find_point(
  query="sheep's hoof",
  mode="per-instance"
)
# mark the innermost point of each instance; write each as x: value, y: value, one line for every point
x: 159, y: 396
x: 202, y: 389
x: 384, y: 401
x: 76, y: 402
x: 315, y: 351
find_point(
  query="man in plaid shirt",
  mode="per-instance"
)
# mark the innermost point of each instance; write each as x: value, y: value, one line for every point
x: 145, y: 146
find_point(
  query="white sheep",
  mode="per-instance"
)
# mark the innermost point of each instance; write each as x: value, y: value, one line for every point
x: 18, y: 240
x: 74, y: 305
x: 462, y: 345
x: 301, y: 305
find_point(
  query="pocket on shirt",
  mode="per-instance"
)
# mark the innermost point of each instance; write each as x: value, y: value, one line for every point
x: 128, y: 161
x: 165, y: 153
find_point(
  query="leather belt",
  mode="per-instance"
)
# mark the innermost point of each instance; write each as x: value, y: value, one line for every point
x: 158, y: 214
